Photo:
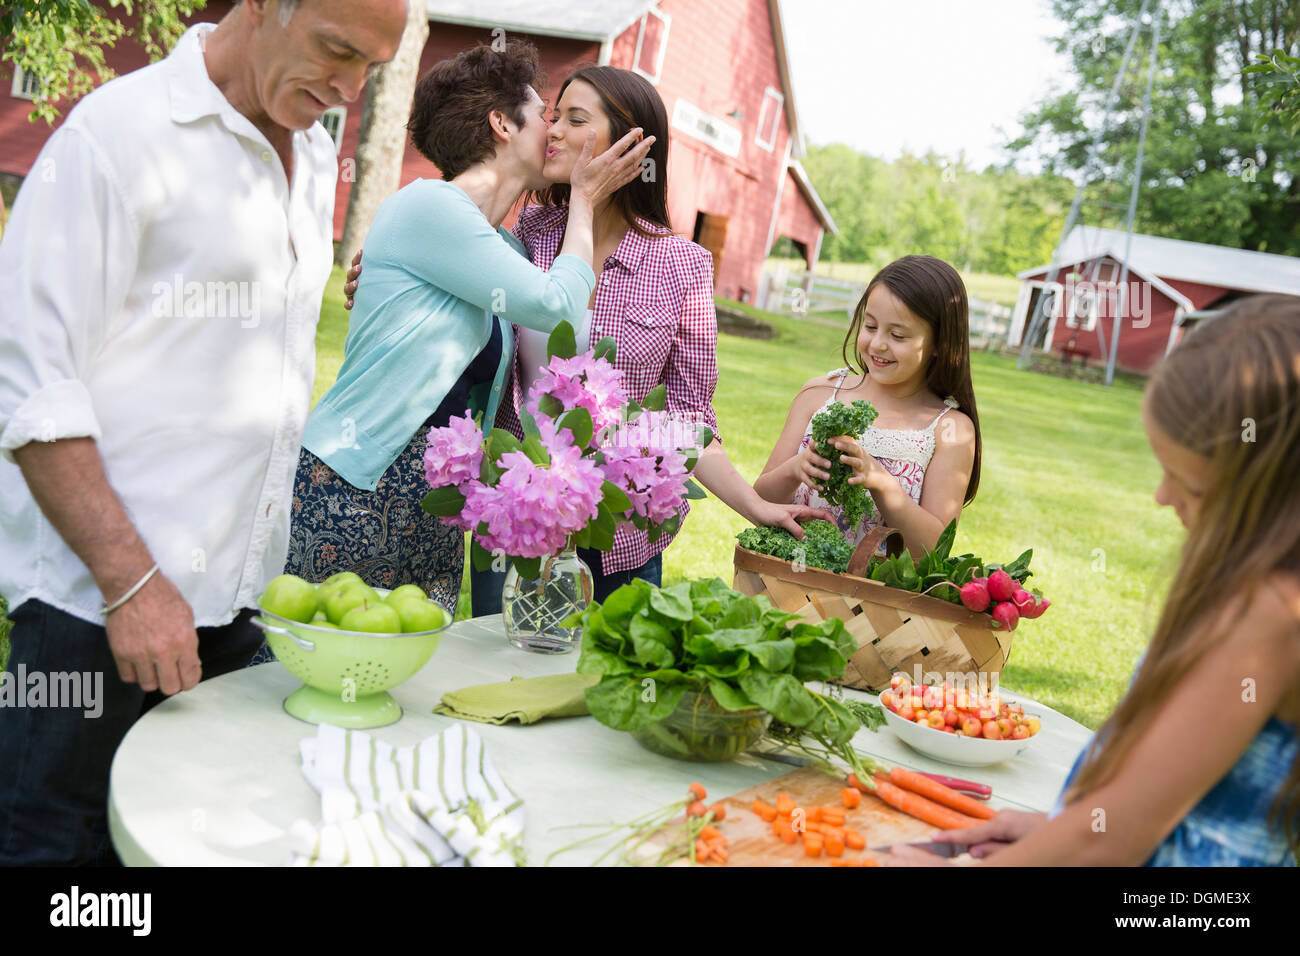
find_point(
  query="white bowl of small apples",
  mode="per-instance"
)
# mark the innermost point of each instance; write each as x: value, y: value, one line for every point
x: 958, y: 727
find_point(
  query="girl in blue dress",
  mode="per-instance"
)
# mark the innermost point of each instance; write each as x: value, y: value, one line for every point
x: 1198, y: 765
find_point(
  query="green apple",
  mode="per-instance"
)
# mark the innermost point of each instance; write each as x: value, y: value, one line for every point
x: 419, y: 615
x: 289, y: 596
x: 320, y: 612
x: 405, y: 592
x: 339, y: 578
x: 374, y: 617
x: 345, y: 597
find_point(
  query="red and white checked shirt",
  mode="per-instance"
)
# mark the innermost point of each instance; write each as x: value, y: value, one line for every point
x: 655, y: 299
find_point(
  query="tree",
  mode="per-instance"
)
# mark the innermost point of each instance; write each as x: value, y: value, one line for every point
x: 1215, y: 169
x: 383, y: 132
x: 63, y: 41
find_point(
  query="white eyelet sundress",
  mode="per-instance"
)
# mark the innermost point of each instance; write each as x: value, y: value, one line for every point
x: 904, y: 452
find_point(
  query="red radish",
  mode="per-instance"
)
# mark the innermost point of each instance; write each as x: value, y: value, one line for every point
x: 1037, y: 609
x: 1001, y: 586
x: 975, y: 596
x: 1023, y: 600
x: 1005, y: 614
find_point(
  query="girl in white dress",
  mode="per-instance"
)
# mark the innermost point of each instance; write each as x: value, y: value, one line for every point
x: 920, y: 459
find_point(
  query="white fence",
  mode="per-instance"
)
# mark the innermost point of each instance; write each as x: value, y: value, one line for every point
x: 805, y: 294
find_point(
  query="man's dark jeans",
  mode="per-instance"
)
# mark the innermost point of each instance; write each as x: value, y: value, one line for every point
x: 55, y: 760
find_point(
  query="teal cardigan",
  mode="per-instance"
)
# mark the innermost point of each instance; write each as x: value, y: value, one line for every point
x: 437, y: 275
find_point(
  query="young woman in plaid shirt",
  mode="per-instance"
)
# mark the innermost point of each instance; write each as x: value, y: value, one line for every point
x: 654, y: 297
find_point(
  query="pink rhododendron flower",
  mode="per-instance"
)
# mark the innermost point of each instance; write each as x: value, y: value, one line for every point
x: 581, y: 382
x: 644, y: 461
x: 454, y: 454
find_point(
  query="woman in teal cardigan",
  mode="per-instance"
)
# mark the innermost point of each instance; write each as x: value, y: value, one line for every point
x: 430, y: 335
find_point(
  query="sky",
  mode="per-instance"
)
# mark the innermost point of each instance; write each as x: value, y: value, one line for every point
x: 884, y: 75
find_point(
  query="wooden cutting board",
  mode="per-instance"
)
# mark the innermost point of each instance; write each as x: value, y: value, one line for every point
x: 750, y: 841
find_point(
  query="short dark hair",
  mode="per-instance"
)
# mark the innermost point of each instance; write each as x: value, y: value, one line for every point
x: 449, y: 115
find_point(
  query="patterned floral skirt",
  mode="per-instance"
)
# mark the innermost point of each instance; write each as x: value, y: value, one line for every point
x: 382, y: 535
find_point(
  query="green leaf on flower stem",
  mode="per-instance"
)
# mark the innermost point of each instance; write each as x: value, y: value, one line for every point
x: 562, y: 342
x: 615, y: 498
x: 694, y: 492
x: 606, y: 349
x: 501, y: 442
x: 530, y: 424
x: 656, y: 399
x: 443, y: 502
x: 528, y: 568
x: 550, y: 406
x: 480, y: 556
x: 582, y: 539
x: 703, y: 436
x: 602, y: 529
x: 579, y: 423
x: 535, y: 451
x: 692, y: 456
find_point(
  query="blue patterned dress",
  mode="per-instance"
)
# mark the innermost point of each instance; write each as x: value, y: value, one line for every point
x: 1230, y: 825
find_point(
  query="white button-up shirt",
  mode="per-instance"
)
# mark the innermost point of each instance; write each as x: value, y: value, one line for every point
x: 160, y: 286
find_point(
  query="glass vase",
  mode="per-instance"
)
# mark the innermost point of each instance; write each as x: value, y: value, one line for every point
x: 534, y: 607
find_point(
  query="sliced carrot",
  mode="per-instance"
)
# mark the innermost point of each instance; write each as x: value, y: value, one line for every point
x: 854, y: 840
x: 767, y: 814
x: 696, y: 809
x: 835, y: 819
x: 719, y: 854
x: 833, y: 833
x: 813, y: 814
x: 834, y: 847
x: 850, y: 797
x: 709, y: 833
x: 719, y: 812
x: 697, y: 790
x: 933, y: 790
x: 788, y: 836
x: 812, y: 849
x: 812, y: 828
x: 701, y: 851
x: 784, y: 805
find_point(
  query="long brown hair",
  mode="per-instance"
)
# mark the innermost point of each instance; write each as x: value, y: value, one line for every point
x: 1231, y: 393
x: 934, y: 291
x: 629, y: 101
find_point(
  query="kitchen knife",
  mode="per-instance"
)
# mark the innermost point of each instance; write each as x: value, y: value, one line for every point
x: 946, y: 850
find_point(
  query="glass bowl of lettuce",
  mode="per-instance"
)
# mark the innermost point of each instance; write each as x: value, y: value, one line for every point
x: 696, y: 671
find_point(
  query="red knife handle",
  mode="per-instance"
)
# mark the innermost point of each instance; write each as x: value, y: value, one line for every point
x: 981, y: 791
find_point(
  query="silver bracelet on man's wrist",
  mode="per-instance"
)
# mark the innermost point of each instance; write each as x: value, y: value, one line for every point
x: 129, y: 594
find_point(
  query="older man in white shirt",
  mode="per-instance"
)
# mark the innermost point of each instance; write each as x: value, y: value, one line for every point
x: 160, y: 281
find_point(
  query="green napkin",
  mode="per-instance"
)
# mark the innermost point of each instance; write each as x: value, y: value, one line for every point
x: 526, y: 700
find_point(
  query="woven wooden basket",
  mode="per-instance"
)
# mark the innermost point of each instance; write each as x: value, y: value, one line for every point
x: 895, y: 630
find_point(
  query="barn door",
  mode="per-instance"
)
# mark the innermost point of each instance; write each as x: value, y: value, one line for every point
x: 711, y: 233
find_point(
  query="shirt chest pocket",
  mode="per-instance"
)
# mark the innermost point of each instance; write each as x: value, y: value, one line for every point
x: 645, y: 336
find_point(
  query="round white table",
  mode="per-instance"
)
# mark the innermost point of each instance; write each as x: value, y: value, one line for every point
x: 211, y: 777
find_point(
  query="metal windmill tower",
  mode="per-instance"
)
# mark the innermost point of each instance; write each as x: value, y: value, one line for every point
x: 1048, y: 303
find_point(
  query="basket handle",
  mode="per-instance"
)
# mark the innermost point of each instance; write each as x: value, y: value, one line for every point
x: 893, y: 539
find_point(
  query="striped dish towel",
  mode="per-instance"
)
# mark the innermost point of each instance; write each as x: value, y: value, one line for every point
x: 439, y: 803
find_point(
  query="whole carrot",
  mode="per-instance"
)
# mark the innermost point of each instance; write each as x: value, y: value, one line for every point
x: 913, y: 804
x: 937, y: 792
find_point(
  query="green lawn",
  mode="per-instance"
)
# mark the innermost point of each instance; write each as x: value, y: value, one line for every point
x: 1066, y: 470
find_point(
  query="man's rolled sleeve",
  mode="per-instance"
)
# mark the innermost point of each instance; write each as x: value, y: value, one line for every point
x: 65, y: 264
x: 691, y: 375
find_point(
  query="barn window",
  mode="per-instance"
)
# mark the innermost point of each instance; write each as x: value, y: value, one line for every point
x: 333, y: 119
x: 651, y: 41
x: 27, y: 86
x: 1083, y: 309
x: 769, y: 118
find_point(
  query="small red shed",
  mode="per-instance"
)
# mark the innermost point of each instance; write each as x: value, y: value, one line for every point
x: 1168, y: 279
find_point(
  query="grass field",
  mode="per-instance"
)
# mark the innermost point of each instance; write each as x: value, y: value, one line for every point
x: 1066, y: 470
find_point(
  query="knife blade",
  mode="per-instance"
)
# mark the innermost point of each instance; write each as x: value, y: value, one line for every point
x: 946, y: 850
x: 780, y: 757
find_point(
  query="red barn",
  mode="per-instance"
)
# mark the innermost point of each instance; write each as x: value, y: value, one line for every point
x: 1168, y: 280
x: 734, y: 178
